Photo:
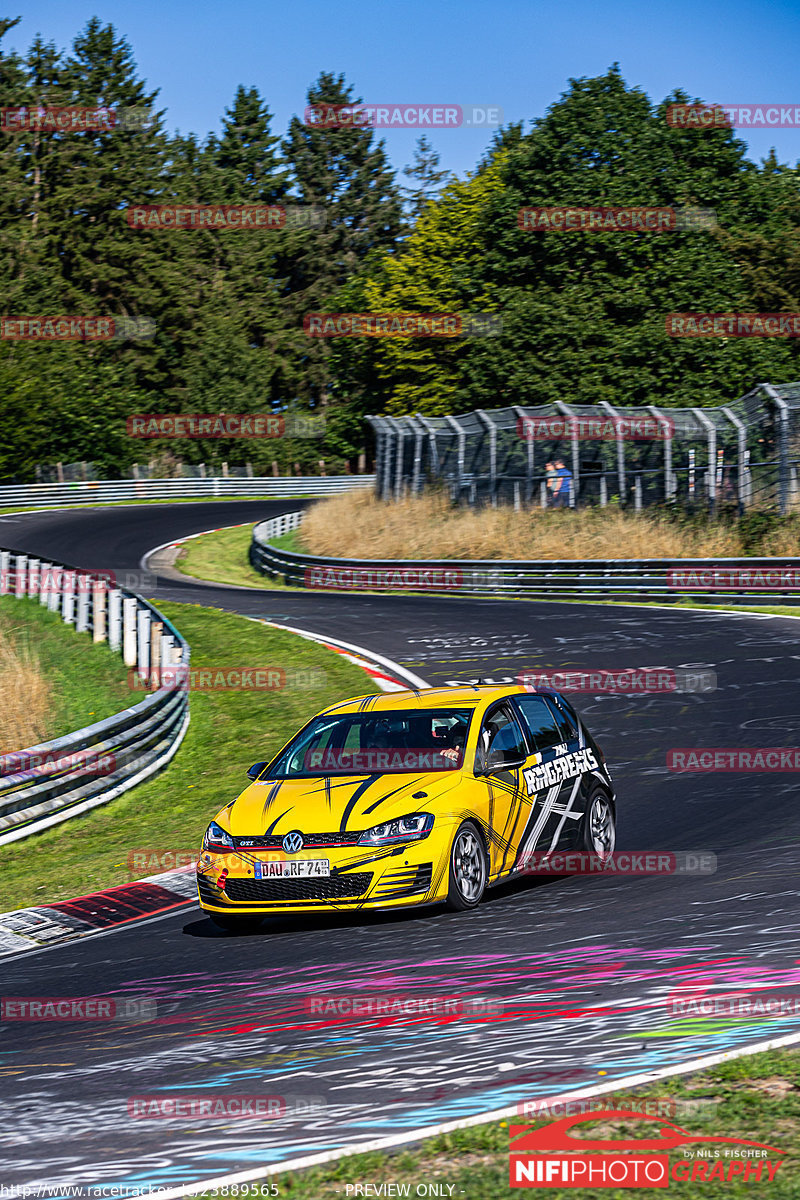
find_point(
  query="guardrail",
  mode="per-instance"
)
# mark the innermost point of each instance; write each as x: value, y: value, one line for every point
x: 714, y: 581
x: 103, y: 490
x: 43, y: 785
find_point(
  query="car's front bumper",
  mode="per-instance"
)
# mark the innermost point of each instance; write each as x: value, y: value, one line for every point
x: 386, y: 877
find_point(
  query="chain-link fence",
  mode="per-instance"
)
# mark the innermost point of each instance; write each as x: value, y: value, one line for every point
x: 746, y: 454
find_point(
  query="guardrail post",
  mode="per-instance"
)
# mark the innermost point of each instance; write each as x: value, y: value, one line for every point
x: 45, y: 581
x: 114, y: 618
x: 5, y: 572
x: 156, y: 632
x: 99, y: 592
x: 20, y: 570
x: 55, y: 588
x: 129, y: 606
x: 68, y: 598
x: 84, y: 582
x: 142, y: 643
x: 34, y: 577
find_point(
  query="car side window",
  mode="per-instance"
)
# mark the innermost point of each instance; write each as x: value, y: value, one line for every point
x: 500, y: 732
x: 541, y: 722
x: 566, y: 727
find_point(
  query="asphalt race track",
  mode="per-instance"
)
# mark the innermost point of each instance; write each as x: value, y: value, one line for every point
x: 584, y: 966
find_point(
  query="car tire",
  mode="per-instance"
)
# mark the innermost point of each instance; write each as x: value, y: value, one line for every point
x: 468, y: 869
x: 599, y: 827
x: 235, y: 924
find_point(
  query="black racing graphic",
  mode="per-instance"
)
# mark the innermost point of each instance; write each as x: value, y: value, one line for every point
x: 271, y: 794
x: 271, y: 828
x: 356, y: 796
x: 402, y: 788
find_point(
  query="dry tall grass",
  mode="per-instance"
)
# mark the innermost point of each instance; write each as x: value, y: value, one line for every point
x: 356, y: 525
x: 24, y: 692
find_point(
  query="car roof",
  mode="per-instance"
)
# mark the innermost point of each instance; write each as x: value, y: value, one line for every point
x: 464, y: 696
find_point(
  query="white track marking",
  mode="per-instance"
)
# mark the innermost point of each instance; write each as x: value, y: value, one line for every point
x: 498, y: 1114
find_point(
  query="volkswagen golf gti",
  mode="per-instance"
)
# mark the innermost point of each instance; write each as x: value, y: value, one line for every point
x: 408, y: 798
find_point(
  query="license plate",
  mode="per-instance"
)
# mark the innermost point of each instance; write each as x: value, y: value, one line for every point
x: 300, y: 868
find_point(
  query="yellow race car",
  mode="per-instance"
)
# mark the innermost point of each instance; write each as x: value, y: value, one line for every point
x: 410, y: 798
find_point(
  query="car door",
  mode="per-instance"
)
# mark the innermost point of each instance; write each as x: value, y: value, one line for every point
x: 552, y: 778
x: 505, y: 800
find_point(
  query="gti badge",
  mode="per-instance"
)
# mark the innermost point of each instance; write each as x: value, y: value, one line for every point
x: 293, y: 842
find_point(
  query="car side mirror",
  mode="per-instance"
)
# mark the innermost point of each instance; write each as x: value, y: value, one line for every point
x: 255, y: 770
x: 500, y: 760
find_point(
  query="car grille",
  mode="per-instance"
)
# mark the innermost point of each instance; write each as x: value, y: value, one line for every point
x: 332, y: 887
x: 310, y: 841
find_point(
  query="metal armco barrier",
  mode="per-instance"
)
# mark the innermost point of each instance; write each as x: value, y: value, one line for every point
x: 715, y: 581
x: 43, y: 785
x: 104, y: 490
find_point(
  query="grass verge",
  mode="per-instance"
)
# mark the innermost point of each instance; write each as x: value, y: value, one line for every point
x: 229, y: 730
x: 85, y: 682
x: 756, y: 1097
x: 221, y: 557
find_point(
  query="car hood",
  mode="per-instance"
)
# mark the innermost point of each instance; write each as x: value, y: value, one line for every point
x: 332, y: 803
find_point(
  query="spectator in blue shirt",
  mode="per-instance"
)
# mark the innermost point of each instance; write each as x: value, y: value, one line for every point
x: 562, y: 490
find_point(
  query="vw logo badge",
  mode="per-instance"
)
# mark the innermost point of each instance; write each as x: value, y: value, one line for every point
x: 293, y: 842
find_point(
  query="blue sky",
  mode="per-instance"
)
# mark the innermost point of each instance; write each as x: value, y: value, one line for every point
x: 515, y: 54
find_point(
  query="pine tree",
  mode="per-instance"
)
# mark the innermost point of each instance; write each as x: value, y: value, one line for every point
x: 428, y: 180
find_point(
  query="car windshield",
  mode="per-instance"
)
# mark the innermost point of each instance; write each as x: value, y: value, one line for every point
x: 410, y: 740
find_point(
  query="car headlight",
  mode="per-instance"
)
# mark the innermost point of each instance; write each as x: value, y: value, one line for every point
x: 404, y: 829
x: 216, y: 838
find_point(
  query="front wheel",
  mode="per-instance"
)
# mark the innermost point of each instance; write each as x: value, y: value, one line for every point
x: 467, y: 869
x: 599, y: 830
x: 235, y: 924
